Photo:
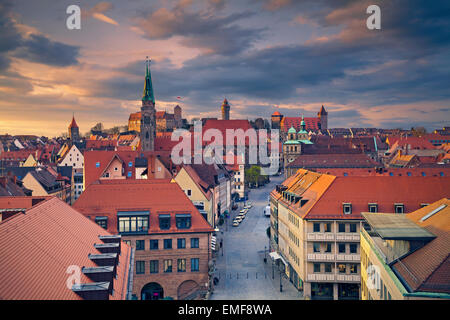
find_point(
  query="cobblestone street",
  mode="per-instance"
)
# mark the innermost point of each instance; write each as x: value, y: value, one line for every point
x: 240, y: 268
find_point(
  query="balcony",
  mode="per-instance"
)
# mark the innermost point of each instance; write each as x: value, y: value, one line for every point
x: 348, y: 257
x: 320, y: 236
x: 331, y: 277
x: 347, y: 237
x: 348, y: 278
x: 321, y: 277
x: 321, y: 257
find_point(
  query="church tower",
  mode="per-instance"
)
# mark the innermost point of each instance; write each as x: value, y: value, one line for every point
x: 323, y: 118
x: 225, y: 110
x: 74, y: 131
x: 148, y: 121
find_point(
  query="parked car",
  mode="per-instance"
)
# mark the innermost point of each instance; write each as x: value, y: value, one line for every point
x: 235, y: 223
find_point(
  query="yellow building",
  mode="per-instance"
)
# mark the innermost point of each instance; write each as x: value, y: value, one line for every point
x: 406, y: 257
x: 316, y: 221
x: 200, y: 192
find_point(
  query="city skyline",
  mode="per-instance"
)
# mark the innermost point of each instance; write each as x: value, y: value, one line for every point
x: 296, y: 55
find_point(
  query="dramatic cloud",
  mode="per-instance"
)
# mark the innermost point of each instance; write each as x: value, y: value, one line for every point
x: 98, y: 12
x: 200, y: 29
x: 292, y: 56
x: 32, y: 47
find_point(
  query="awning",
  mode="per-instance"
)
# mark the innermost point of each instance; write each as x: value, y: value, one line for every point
x: 275, y: 256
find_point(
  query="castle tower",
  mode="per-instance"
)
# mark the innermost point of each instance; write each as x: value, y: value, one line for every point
x: 74, y: 131
x: 177, y: 115
x: 323, y: 118
x: 225, y: 110
x: 148, y: 121
x: 276, y: 120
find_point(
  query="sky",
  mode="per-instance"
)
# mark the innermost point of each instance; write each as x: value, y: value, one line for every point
x: 262, y: 55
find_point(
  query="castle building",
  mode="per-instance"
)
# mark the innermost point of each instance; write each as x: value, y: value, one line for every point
x: 315, y: 124
x: 148, y: 121
x: 276, y: 120
x: 225, y: 110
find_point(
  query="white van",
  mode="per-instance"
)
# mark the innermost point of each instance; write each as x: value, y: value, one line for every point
x: 267, y: 211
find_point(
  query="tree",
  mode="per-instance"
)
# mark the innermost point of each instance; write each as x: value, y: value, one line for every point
x: 418, y: 131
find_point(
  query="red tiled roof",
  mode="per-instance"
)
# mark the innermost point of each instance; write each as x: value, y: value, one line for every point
x: 288, y: 122
x: 39, y: 246
x: 430, y: 265
x: 107, y: 197
x: 385, y: 191
x: 311, y: 161
x: 363, y: 172
x: 411, y: 142
x: 98, y: 144
x: 18, y: 155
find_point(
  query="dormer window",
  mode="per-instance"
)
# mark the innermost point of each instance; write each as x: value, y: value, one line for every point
x: 347, y: 207
x: 373, y: 207
x: 164, y: 221
x: 399, y: 208
x: 183, y: 221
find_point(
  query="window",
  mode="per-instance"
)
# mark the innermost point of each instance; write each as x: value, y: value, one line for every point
x: 164, y: 221
x: 102, y: 222
x: 399, y: 208
x: 194, y: 264
x: 140, y: 267
x: 181, y: 243
x: 347, y: 207
x: 341, y: 247
x: 352, y: 227
x: 316, y: 267
x: 154, y: 266
x: 200, y: 205
x: 188, y: 192
x: 183, y: 221
x: 194, y: 242
x: 167, y: 243
x: 341, y: 227
x: 353, y: 268
x: 328, y: 247
x: 130, y: 164
x: 133, y: 223
x: 181, y: 265
x: 129, y: 174
x: 353, y: 248
x: 316, y: 247
x: 140, y: 244
x: 154, y: 244
x: 342, y: 268
x: 97, y: 164
x: 328, y: 227
x: 373, y: 207
x: 316, y: 227
x: 167, y: 266
x: 328, y: 267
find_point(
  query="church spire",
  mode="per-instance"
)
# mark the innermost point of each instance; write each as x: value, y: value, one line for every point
x: 148, y: 87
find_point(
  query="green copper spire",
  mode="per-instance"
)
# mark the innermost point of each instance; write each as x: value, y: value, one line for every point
x: 302, y: 126
x: 148, y: 87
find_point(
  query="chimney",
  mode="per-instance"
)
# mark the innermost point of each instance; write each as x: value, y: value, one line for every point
x: 399, y: 152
